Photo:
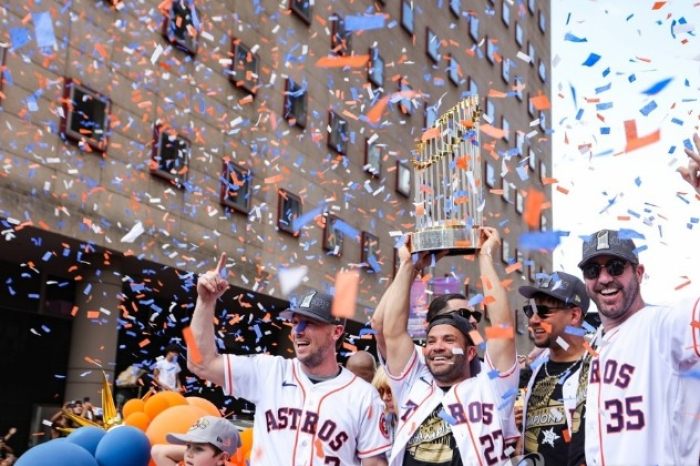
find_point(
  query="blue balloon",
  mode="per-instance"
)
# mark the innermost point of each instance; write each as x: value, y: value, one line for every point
x: 123, y: 445
x: 87, y: 437
x: 57, y: 453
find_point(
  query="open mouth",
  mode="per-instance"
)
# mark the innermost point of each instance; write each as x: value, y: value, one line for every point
x: 302, y: 344
x: 609, y: 292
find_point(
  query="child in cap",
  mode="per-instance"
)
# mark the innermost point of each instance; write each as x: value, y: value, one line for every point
x: 209, y: 442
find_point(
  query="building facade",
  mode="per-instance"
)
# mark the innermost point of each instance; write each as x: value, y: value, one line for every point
x: 140, y: 139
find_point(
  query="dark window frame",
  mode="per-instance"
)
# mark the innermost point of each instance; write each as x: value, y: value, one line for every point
x: 287, y: 201
x: 245, y: 176
x: 405, y: 104
x: 162, y: 135
x: 375, y: 170
x: 456, y: 8
x: 70, y: 111
x: 302, y: 9
x: 338, y: 142
x: 409, y: 27
x: 239, y: 70
x: 432, y: 45
x: 453, y: 69
x: 171, y: 30
x: 403, y: 167
x: 370, y: 248
x: 332, y: 237
x: 294, y: 115
x: 341, y: 39
x: 376, y: 65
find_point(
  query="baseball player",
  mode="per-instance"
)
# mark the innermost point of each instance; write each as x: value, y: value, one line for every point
x: 448, y: 416
x: 309, y: 411
x: 554, y: 399
x: 643, y: 404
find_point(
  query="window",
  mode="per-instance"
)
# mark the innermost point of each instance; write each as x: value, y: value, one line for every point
x: 295, y: 97
x: 490, y: 111
x: 531, y: 53
x: 542, y: 22
x: 490, y: 175
x: 531, y: 6
x: 519, y: 35
x: 431, y: 116
x: 373, y: 157
x: 407, y: 16
x: 473, y: 87
x: 505, y: 70
x: 406, y: 103
x: 341, y: 38
x: 518, y: 87
x: 456, y: 8
x: 543, y: 171
x: 543, y: 222
x: 432, y: 46
x: 519, y: 202
x: 288, y: 210
x: 245, y: 67
x: 453, y: 71
x: 532, y: 160
x: 179, y: 27
x: 506, y: 13
x: 490, y: 51
x: 235, y: 187
x: 370, y: 252
x: 543, y: 121
x: 86, y: 116
x: 520, y: 142
x: 506, y: 129
x: 376, y: 67
x: 403, y: 179
x: 332, y: 237
x: 337, y: 133
x: 532, y: 271
x: 507, y: 191
x: 505, y: 251
x: 301, y: 8
x: 474, y: 28
x: 542, y: 71
x: 170, y: 156
x: 530, y: 106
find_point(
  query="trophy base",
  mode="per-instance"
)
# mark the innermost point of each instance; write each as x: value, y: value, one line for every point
x: 456, y: 241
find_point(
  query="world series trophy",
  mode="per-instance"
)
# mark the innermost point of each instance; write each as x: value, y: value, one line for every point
x: 447, y: 173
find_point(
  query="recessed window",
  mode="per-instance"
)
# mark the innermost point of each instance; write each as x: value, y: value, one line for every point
x: 519, y: 202
x: 490, y: 175
x: 332, y: 237
x: 519, y: 34
x: 532, y: 160
x: 543, y: 120
x: 473, y: 87
x: 543, y: 222
x: 530, y: 106
x: 403, y: 179
x: 490, y: 51
x: 341, y: 38
x: 245, y: 67
x: 531, y: 6
x: 171, y: 155
x: 295, y: 102
x: 181, y: 27
x: 407, y: 16
x: 490, y: 111
x: 406, y: 103
x: 474, y: 28
x: 454, y: 71
x: 542, y: 22
x: 506, y: 129
x: 376, y: 67
x: 301, y: 8
x: 507, y: 191
x: 338, y: 133
x: 520, y: 142
x: 505, y: 251
x: 456, y: 8
x: 543, y: 171
x: 86, y: 116
x: 288, y: 210
x: 531, y: 53
x: 373, y: 157
x: 431, y: 116
x: 370, y: 252
x: 506, y: 13
x: 542, y: 71
x: 432, y: 45
x: 518, y: 87
x: 505, y: 70
x: 235, y: 187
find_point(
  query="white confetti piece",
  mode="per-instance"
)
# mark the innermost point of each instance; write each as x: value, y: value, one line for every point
x: 135, y: 232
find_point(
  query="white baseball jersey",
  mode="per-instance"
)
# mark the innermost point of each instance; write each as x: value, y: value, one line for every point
x: 480, y: 408
x: 299, y: 423
x: 643, y: 402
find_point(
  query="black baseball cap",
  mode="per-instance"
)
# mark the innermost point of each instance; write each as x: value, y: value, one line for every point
x: 562, y: 286
x: 316, y: 306
x: 463, y: 325
x: 611, y: 243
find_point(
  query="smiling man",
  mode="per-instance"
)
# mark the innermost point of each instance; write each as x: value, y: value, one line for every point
x: 643, y: 400
x: 303, y: 416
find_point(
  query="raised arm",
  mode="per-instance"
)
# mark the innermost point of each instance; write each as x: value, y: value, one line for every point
x: 377, y: 323
x: 501, y: 351
x: 210, y: 365
x: 692, y: 173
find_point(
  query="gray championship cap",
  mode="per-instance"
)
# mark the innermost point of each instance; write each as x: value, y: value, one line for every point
x: 316, y: 306
x: 562, y: 286
x: 210, y: 429
x: 608, y: 242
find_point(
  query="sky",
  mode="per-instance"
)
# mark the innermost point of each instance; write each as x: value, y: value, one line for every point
x: 600, y: 184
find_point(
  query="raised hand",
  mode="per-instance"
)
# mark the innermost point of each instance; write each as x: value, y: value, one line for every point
x: 691, y: 174
x: 489, y: 241
x: 212, y: 284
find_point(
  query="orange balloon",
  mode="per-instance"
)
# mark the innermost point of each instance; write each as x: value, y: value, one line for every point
x: 174, y: 398
x: 175, y: 420
x: 132, y: 406
x: 156, y: 404
x: 205, y: 404
x: 246, y: 437
x: 138, y: 420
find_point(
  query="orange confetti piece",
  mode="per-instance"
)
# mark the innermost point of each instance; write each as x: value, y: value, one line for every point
x: 657, y: 5
x: 352, y: 61
x: 488, y: 300
x: 513, y: 268
x: 634, y: 142
x: 93, y: 314
x: 590, y: 350
x: 193, y: 353
x: 540, y: 102
x: 144, y: 342
x: 429, y: 134
x: 274, y: 179
x: 375, y: 113
x: 346, y: 284
x: 533, y: 208
x: 504, y: 333
x: 490, y: 130
x: 567, y: 435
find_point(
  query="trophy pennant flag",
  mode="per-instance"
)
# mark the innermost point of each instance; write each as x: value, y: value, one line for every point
x: 447, y: 173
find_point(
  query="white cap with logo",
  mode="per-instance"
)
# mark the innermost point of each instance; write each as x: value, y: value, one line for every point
x: 210, y: 429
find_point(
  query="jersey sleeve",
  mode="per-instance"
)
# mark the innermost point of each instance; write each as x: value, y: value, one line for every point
x: 245, y: 375
x: 401, y: 384
x: 679, y: 334
x: 504, y: 387
x: 373, y: 438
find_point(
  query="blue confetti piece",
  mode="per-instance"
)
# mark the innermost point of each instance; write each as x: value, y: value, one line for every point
x: 367, y: 331
x: 447, y: 418
x: 628, y: 233
x: 572, y: 38
x: 641, y: 249
x: 604, y: 106
x: 577, y: 331
x: 47, y: 256
x: 511, y: 393
x: 591, y: 60
x: 364, y: 23
x: 579, y: 114
x: 606, y: 72
x: 687, y: 144
x: 376, y: 268
x: 601, y: 89
x: 476, y: 299
x: 43, y: 30
x: 588, y: 327
x: 521, y: 170
x: 493, y: 374
x: 604, y: 130
x: 87, y: 289
x: 347, y: 230
x: 534, y: 241
x: 299, y: 222
x: 677, y: 121
x: 632, y: 78
x: 683, y: 199
x: 657, y: 87
x: 300, y: 327
x: 648, y: 108
x: 258, y: 332
x: 19, y: 38
x: 638, y: 181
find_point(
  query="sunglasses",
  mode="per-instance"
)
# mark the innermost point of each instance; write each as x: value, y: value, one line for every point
x: 542, y: 310
x: 614, y: 267
x: 466, y: 313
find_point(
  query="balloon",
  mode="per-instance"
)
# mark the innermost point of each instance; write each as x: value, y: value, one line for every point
x: 87, y: 437
x: 61, y: 453
x: 243, y: 453
x: 138, y: 420
x: 123, y: 445
x: 156, y: 405
x: 175, y: 420
x: 205, y: 404
x: 173, y: 398
x: 133, y: 406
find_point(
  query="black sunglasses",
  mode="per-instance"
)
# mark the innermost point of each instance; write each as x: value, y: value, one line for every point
x: 615, y: 268
x: 466, y: 313
x: 542, y: 310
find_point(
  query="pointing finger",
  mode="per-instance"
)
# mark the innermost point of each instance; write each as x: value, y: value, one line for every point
x: 222, y: 264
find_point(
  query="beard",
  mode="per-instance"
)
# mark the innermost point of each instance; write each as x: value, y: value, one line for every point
x: 449, y: 373
x: 629, y: 296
